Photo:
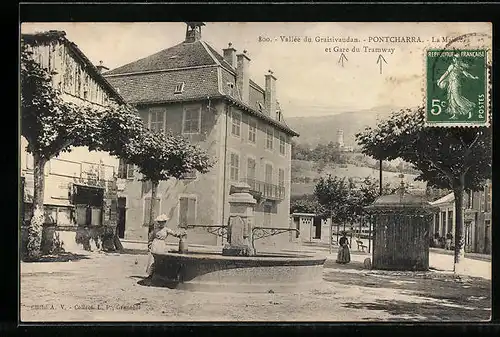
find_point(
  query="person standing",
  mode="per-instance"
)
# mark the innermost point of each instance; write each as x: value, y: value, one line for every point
x: 157, y: 241
x: 343, y: 255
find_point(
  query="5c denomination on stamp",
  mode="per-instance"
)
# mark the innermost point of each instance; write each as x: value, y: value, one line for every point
x: 457, y: 87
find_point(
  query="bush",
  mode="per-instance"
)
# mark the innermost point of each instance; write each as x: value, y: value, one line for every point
x: 51, y: 243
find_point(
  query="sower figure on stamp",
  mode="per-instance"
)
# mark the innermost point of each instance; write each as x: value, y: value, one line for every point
x: 343, y: 256
x: 157, y: 241
x: 451, y: 81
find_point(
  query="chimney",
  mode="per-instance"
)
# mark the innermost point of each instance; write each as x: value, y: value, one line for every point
x: 101, y: 68
x: 193, y: 31
x: 243, y: 76
x: 230, y: 55
x: 270, y: 95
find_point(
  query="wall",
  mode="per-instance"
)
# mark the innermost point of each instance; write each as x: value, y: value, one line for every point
x: 69, y: 75
x: 205, y: 187
x: 281, y: 209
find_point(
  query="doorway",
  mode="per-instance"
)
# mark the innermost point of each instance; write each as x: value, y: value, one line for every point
x: 121, y: 217
x: 317, y: 227
x: 267, y: 215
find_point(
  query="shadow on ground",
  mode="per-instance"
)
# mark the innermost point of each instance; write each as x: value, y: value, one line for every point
x: 62, y: 257
x: 355, y: 265
x: 148, y: 282
x: 131, y: 251
x: 446, y: 297
x: 423, y: 311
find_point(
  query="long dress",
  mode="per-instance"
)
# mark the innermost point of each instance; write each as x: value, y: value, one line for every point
x: 158, y: 245
x: 343, y: 255
x: 452, y: 83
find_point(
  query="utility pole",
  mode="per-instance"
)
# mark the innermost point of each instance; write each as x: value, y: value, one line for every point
x: 380, y: 176
x: 331, y: 232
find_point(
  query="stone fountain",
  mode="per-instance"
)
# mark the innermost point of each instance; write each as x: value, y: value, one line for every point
x: 239, y: 267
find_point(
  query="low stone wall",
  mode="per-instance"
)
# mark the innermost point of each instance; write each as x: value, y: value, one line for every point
x: 212, y: 272
x: 72, y: 238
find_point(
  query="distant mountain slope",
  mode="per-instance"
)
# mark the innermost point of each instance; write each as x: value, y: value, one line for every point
x: 302, y: 168
x: 323, y: 129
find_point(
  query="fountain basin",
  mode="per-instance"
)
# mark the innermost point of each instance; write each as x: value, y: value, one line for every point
x: 201, y: 271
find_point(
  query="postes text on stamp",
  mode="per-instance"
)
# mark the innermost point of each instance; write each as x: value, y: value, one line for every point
x: 456, y: 93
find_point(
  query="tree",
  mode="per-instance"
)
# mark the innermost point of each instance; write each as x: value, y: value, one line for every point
x: 332, y: 194
x: 161, y: 157
x: 457, y: 158
x: 52, y: 125
x: 304, y: 204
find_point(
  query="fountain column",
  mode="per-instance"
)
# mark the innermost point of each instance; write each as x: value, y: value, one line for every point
x: 241, y: 220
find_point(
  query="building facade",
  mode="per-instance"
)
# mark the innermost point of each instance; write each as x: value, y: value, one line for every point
x: 80, y: 186
x: 192, y: 90
x: 477, y: 219
x: 311, y: 227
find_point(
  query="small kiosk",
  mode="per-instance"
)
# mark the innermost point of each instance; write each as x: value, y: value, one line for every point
x: 401, y: 231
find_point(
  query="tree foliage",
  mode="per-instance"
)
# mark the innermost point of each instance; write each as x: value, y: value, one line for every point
x: 441, y: 154
x: 304, y: 204
x: 457, y: 158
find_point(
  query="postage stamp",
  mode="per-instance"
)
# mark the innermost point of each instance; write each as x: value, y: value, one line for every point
x: 456, y: 87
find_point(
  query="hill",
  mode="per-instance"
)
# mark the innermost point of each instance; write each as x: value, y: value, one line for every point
x: 309, y: 171
x: 323, y: 129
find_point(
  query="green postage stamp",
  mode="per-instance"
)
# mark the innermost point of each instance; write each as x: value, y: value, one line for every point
x: 457, y: 87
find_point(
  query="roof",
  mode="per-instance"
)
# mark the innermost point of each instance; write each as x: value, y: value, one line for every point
x: 183, y: 55
x: 152, y: 79
x: 158, y: 87
x: 447, y: 199
x: 56, y: 35
x: 399, y: 201
x: 304, y: 214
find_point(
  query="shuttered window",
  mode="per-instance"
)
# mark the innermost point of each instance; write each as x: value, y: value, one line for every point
x: 234, y: 171
x: 281, y: 178
x: 157, y: 119
x: 269, y: 139
x: 252, y: 130
x: 187, y: 211
x: 269, y: 173
x: 147, y: 209
x: 191, y: 121
x: 251, y: 168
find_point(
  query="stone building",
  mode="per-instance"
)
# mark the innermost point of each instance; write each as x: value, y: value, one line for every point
x: 193, y: 90
x: 477, y: 219
x: 80, y: 186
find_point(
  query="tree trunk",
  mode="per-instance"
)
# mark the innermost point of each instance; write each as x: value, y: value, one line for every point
x: 152, y: 215
x: 458, y: 192
x: 116, y: 241
x: 35, y: 227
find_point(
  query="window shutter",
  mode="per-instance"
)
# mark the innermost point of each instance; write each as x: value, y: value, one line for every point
x: 147, y: 206
x: 183, y: 211
x: 191, y: 210
x: 121, y: 169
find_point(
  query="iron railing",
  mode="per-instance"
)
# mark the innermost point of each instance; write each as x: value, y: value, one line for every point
x: 266, y: 190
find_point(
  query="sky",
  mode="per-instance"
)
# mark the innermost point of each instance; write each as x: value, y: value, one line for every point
x: 311, y: 81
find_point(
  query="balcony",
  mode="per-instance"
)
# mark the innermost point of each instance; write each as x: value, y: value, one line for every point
x: 261, y: 189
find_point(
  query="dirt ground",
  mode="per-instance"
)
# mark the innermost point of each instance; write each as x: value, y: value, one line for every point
x: 110, y: 287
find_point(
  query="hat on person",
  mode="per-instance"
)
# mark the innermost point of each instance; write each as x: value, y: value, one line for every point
x: 162, y: 218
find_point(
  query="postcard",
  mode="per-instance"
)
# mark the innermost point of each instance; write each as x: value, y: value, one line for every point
x: 255, y: 171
